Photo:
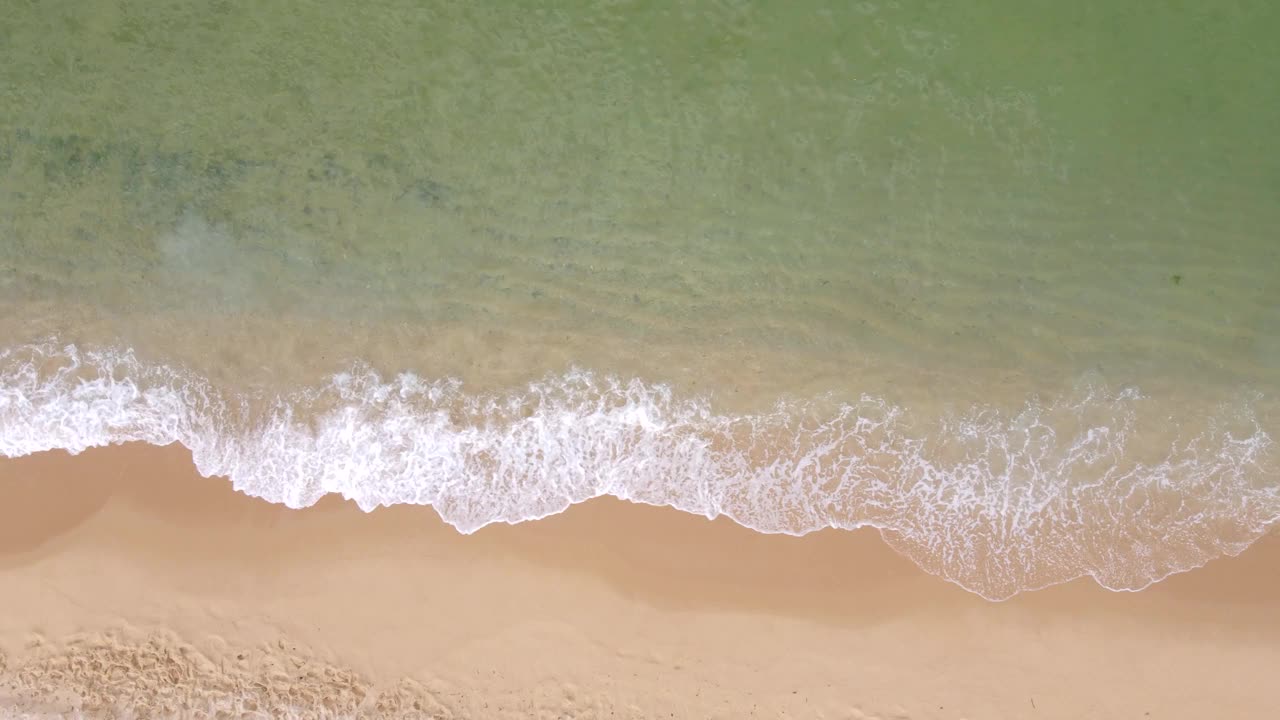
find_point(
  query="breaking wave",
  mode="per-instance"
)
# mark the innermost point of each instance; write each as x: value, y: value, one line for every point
x: 1099, y: 482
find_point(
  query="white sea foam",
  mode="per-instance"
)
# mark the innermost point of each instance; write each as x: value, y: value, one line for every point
x: 1101, y: 482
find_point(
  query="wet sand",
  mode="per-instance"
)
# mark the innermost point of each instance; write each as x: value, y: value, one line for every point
x: 130, y: 584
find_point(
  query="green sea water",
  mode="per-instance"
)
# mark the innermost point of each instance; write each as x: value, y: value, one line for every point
x: 1033, y: 219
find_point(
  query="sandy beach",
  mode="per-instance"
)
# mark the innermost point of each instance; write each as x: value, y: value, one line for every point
x: 890, y: 359
x: 132, y: 586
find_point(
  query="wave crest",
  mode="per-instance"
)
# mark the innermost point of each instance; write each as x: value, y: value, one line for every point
x: 1100, y: 482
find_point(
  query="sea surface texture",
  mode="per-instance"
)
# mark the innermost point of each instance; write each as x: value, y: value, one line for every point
x: 1002, y: 282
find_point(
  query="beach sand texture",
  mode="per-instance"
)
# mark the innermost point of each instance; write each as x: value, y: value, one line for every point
x: 133, y: 585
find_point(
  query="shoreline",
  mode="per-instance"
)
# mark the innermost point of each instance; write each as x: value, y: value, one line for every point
x: 608, y: 607
x: 995, y: 501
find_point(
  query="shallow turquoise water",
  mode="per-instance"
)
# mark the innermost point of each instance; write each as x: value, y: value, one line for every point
x: 1022, y: 224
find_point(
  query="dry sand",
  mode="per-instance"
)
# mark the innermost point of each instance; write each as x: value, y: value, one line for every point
x: 129, y: 583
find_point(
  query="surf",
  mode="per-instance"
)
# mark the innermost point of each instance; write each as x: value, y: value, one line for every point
x: 1100, y: 482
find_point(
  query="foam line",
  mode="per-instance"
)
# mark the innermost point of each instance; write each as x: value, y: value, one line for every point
x: 1100, y: 482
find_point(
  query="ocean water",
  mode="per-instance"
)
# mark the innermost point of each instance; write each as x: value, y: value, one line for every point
x: 1003, y: 283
